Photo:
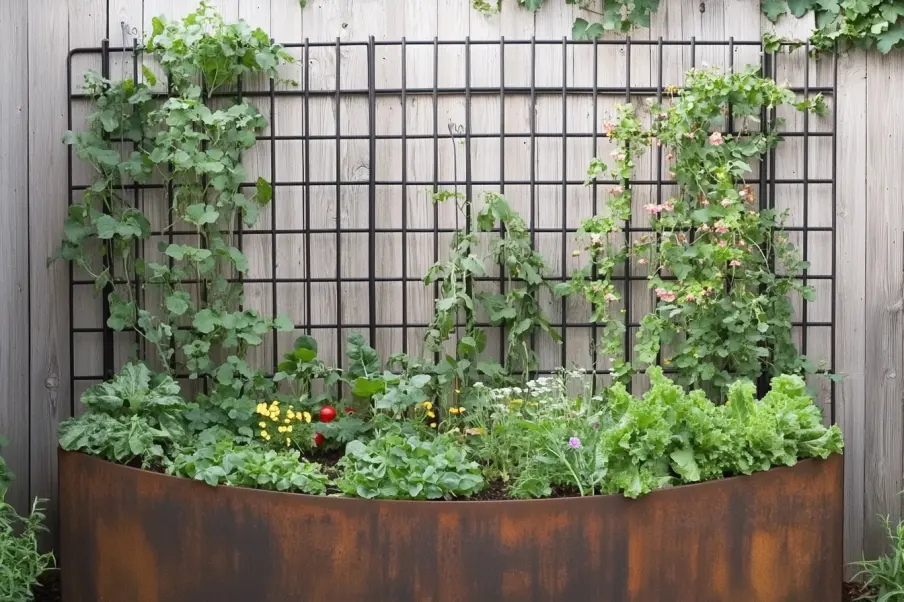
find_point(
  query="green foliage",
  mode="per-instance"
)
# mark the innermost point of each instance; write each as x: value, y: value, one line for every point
x: 397, y: 465
x: 21, y: 562
x: 885, y: 575
x: 136, y: 415
x: 217, y: 460
x: 202, y: 44
x: 870, y: 24
x: 602, y: 238
x: 538, y: 438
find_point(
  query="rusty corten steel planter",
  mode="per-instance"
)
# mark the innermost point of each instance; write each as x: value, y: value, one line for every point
x: 134, y: 536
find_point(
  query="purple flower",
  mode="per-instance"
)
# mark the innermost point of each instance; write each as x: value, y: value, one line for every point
x: 574, y: 443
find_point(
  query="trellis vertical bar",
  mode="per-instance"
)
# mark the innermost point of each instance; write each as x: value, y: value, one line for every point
x: 832, y: 318
x: 274, y: 301
x: 533, y: 165
x: 136, y: 192
x: 502, y: 233
x: 338, y: 190
x: 307, y: 187
x: 108, y: 360
x: 404, y: 196
x: 469, y: 187
x: 659, y: 78
x: 71, y: 270
x: 629, y: 316
x: 594, y: 199
x: 564, y: 255
x: 806, y: 201
x: 435, y: 167
x: 372, y: 189
x: 763, y: 381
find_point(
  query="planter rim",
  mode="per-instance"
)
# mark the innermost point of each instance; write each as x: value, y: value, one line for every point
x: 341, y: 499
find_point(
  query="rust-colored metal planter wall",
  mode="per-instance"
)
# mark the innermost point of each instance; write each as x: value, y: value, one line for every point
x: 133, y: 536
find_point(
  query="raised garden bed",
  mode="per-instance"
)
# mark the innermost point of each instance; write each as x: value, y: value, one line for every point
x: 138, y: 536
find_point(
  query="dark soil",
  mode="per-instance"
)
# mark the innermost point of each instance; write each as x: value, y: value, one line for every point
x: 854, y: 591
x: 49, y: 591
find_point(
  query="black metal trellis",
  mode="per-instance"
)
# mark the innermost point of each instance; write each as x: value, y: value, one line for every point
x: 374, y: 93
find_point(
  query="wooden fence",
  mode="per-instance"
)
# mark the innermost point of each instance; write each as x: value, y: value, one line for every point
x: 35, y: 363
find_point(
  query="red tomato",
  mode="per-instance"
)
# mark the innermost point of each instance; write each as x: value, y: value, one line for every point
x: 318, y: 439
x: 327, y: 414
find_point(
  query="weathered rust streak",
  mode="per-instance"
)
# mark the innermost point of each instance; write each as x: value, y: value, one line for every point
x: 133, y: 536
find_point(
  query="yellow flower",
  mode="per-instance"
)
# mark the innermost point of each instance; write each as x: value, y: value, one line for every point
x: 261, y: 408
x: 275, y: 403
x: 457, y: 391
x: 433, y: 425
x: 288, y: 429
x: 264, y: 434
x: 274, y: 418
x: 453, y: 410
x: 431, y: 414
x: 267, y: 437
x: 263, y: 425
x: 287, y: 421
x: 307, y: 416
x: 474, y: 431
x: 515, y: 401
x: 290, y: 414
x: 461, y: 410
x: 282, y: 429
x: 288, y: 442
x: 427, y: 405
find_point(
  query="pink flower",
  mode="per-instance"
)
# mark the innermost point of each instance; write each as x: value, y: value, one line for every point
x: 652, y: 209
x: 743, y: 193
x: 672, y: 174
x: 611, y: 297
x: 705, y: 203
x: 751, y: 212
x: 670, y: 156
x: 682, y: 238
x: 705, y: 227
x: 596, y: 239
x: 690, y: 297
x: 642, y: 261
x: 715, y: 138
x: 668, y: 206
x: 665, y: 295
x: 734, y: 263
x: 742, y: 244
x: 609, y: 126
x: 725, y: 202
x: 721, y: 230
x: 616, y: 190
x: 722, y: 243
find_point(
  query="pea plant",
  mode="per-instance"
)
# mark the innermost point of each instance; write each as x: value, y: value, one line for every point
x: 195, y: 149
x: 601, y: 240
x: 722, y: 268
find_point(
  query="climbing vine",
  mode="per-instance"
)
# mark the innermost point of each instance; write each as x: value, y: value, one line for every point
x: 870, y: 24
x: 192, y: 152
x: 722, y: 268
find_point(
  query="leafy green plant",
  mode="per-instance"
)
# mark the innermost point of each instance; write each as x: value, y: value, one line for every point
x: 21, y: 561
x: 885, y: 575
x: 538, y: 438
x: 398, y: 465
x: 136, y: 415
x: 218, y: 460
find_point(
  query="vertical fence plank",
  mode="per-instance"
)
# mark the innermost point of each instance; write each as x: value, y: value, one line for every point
x: 884, y: 321
x: 850, y: 344
x: 48, y: 287
x: 14, y: 385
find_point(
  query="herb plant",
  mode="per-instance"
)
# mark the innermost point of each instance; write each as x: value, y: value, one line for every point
x: 884, y: 577
x: 21, y: 561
